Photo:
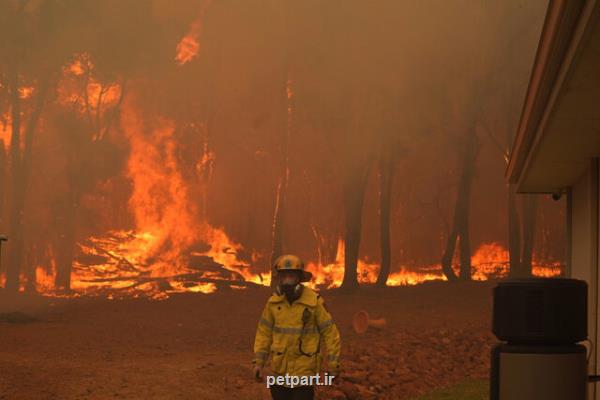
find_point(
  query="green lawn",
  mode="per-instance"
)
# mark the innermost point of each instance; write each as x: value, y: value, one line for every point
x: 471, y: 390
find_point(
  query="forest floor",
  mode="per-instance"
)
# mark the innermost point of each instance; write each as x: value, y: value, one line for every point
x: 198, y: 346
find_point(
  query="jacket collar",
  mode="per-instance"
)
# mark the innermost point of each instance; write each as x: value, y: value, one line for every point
x: 308, y: 297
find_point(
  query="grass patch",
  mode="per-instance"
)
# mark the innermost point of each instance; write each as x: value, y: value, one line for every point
x: 470, y: 390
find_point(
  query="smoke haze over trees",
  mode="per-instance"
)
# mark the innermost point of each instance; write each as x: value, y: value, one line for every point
x: 288, y: 124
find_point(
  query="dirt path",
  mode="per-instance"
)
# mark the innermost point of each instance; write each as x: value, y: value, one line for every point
x: 197, y: 346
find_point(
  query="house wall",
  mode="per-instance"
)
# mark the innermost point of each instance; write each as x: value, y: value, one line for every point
x: 584, y: 253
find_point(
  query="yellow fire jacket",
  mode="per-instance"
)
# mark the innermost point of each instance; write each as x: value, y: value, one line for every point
x: 290, y: 335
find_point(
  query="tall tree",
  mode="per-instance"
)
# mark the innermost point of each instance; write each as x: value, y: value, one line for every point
x: 20, y: 171
x: 358, y: 154
x: 355, y: 182
x: 460, y: 226
x: 282, y: 186
x: 386, y: 175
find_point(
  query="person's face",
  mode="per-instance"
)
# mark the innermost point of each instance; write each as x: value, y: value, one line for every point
x: 288, y: 277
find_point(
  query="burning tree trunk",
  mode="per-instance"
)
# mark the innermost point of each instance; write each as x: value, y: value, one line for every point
x: 20, y: 168
x: 3, y: 169
x: 386, y: 167
x: 277, y: 247
x: 354, y: 190
x: 12, y: 271
x: 460, y: 228
x: 280, y: 200
x: 79, y: 179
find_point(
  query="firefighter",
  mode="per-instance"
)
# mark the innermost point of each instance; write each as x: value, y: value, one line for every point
x: 293, y: 325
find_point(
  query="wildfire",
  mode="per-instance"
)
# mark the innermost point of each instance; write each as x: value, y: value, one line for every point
x: 5, y: 130
x: 76, y: 67
x: 25, y: 92
x: 224, y: 251
x: 171, y: 249
x: 189, y: 46
x: 131, y: 266
x: 81, y: 89
x: 134, y: 263
x: 331, y: 275
x: 490, y: 261
x: 44, y: 280
x: 159, y: 202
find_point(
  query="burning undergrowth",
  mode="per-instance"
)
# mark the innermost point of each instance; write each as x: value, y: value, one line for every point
x: 172, y: 249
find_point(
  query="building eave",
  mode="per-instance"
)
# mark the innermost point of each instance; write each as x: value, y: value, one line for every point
x: 552, y: 61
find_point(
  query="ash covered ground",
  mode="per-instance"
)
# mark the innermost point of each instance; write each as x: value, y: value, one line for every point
x: 199, y: 346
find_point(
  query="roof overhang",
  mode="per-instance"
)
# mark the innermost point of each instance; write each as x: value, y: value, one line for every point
x: 559, y: 129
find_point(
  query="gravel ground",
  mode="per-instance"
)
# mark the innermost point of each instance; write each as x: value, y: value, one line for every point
x: 198, y: 346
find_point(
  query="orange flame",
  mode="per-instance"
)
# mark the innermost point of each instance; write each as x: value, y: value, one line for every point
x: 80, y: 88
x: 5, y: 129
x: 44, y: 280
x: 159, y: 201
x: 490, y: 261
x: 25, y: 92
x: 154, y: 259
x: 189, y: 46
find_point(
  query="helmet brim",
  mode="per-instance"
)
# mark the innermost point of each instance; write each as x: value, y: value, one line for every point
x: 306, y: 276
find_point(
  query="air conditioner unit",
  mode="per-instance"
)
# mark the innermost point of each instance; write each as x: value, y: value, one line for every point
x: 541, y: 322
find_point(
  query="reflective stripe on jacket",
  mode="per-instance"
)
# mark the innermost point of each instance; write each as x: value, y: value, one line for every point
x: 280, y: 329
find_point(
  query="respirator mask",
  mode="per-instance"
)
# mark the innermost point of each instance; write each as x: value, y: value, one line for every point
x: 288, y: 284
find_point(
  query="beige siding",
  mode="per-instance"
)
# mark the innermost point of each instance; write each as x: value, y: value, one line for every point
x: 584, y: 250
